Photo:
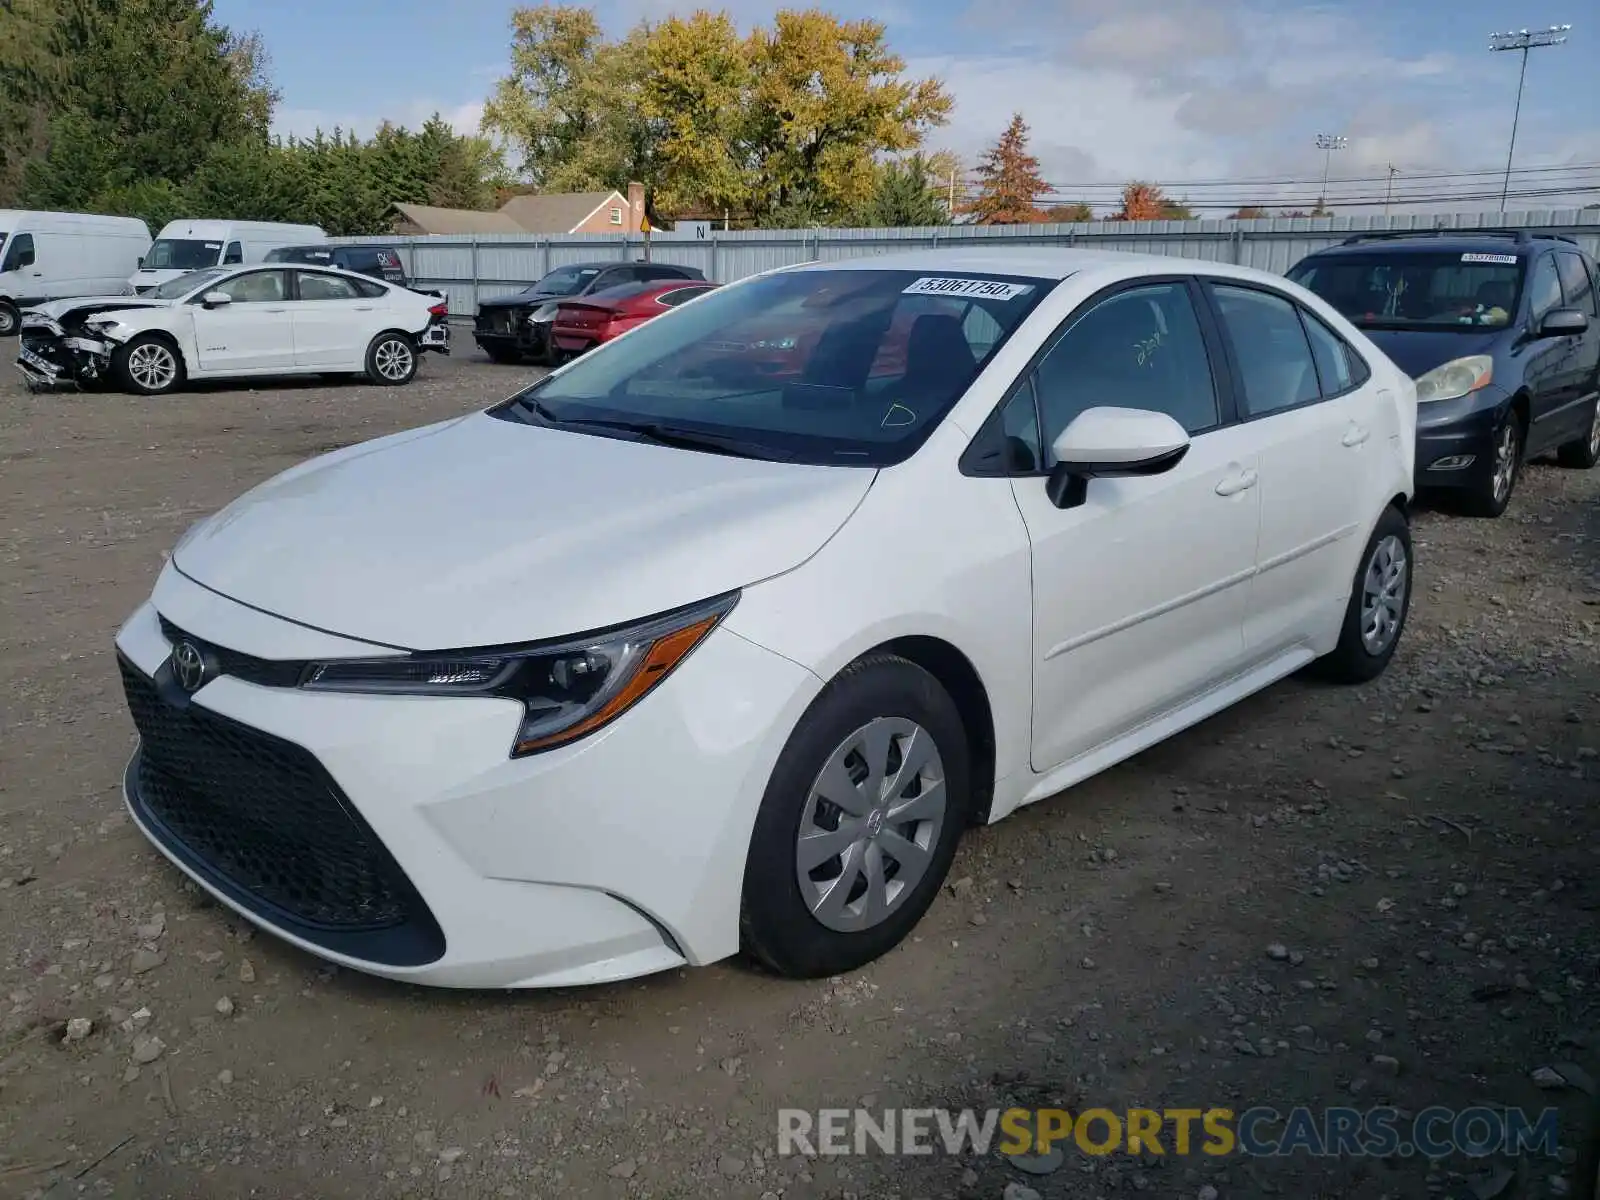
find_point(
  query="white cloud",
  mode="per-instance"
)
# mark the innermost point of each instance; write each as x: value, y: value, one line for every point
x: 303, y: 122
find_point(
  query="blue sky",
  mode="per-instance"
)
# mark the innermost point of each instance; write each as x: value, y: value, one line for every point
x: 1179, y: 91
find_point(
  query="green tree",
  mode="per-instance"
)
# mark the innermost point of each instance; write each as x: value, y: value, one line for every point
x: 906, y: 193
x: 1008, y: 180
x: 552, y: 102
x: 1069, y: 214
x: 30, y: 73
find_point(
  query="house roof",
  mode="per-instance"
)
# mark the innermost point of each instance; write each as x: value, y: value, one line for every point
x: 457, y: 220
x: 560, y: 212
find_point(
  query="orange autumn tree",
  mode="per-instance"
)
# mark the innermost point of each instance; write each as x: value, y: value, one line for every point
x: 1008, y: 180
x: 1143, y: 202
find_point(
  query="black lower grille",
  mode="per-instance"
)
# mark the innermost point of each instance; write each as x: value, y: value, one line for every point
x: 261, y: 818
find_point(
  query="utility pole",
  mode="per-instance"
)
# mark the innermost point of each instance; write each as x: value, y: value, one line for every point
x: 1523, y: 40
x: 1328, y: 143
x: 1388, y: 193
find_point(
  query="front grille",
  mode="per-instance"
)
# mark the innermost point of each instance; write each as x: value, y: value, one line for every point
x: 268, y: 672
x: 263, y: 820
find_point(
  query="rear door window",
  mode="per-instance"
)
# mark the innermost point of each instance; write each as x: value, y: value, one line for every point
x: 316, y: 286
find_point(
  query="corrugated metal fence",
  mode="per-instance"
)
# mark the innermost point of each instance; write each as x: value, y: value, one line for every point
x: 471, y: 269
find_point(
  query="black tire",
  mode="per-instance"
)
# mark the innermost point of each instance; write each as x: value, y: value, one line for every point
x: 777, y: 928
x: 1586, y: 1171
x: 392, y: 359
x: 1353, y: 660
x: 1484, y: 498
x: 149, y: 365
x: 10, y: 319
x: 1583, y: 453
x: 500, y: 354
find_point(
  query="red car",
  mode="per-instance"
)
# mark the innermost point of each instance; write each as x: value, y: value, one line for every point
x: 601, y: 316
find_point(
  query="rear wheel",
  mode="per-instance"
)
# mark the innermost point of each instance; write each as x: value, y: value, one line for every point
x: 1583, y: 453
x: 859, y: 823
x: 149, y: 365
x: 1380, y: 600
x: 391, y: 359
x: 10, y: 319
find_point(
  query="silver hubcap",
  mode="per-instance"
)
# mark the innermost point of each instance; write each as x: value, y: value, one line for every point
x: 871, y: 822
x: 1594, y: 431
x: 393, y: 359
x: 1383, y: 595
x: 152, y: 366
x: 8, y: 323
x: 1505, y: 460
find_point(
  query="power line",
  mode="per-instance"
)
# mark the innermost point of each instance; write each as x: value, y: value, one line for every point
x: 1301, y: 202
x: 1256, y: 181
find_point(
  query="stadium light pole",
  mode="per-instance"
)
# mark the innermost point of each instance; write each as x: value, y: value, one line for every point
x: 1328, y: 143
x: 1523, y: 40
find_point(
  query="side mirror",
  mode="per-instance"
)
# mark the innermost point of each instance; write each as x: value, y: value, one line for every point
x: 1103, y: 443
x: 1563, y: 322
x: 216, y: 299
x: 140, y: 263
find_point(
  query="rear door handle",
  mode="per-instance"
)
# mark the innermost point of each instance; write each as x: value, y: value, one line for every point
x: 1355, y: 435
x: 1240, y: 481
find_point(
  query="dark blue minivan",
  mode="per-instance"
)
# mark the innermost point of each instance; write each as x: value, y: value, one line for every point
x: 1501, y: 332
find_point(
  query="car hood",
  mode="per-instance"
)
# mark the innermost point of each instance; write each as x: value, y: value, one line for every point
x: 1418, y: 351
x: 479, y: 531
x: 56, y: 309
x: 522, y: 299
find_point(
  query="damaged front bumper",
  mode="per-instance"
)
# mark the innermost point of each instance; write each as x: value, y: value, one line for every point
x: 50, y: 357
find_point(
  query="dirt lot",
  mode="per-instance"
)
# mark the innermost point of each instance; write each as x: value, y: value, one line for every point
x: 1419, y: 855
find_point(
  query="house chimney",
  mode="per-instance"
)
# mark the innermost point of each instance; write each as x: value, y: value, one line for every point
x: 635, y: 207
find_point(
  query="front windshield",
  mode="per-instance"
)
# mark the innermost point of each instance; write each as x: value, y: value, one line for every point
x: 174, y: 289
x: 1417, y: 290
x: 182, y: 254
x: 821, y: 366
x: 564, y: 281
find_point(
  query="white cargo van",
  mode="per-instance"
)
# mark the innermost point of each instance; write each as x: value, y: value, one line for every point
x: 55, y: 255
x: 189, y: 245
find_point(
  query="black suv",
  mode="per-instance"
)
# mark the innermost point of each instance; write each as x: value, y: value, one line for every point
x: 516, y: 328
x: 1501, y: 332
x: 380, y: 262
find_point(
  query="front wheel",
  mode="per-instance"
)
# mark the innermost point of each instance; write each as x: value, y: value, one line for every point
x: 391, y: 360
x: 859, y: 822
x: 10, y: 319
x: 148, y: 365
x: 1380, y: 600
x: 1490, y: 495
x: 1584, y: 452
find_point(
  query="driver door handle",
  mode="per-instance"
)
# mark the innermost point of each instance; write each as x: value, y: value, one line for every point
x: 1355, y: 435
x: 1239, y: 481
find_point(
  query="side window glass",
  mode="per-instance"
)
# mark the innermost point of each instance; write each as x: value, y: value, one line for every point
x: 369, y: 290
x: 20, y: 253
x: 1270, y: 348
x: 982, y: 331
x: 326, y: 287
x: 1139, y: 349
x: 1544, y: 288
x: 1332, y: 356
x: 258, y: 287
x: 1019, y: 424
x: 233, y: 255
x: 1577, y: 289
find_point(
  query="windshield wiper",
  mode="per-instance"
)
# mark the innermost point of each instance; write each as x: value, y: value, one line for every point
x: 683, y: 439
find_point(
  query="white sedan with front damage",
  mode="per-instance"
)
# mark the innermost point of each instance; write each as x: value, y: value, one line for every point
x: 234, y: 322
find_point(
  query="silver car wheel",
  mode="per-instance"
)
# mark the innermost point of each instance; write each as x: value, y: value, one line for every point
x: 153, y: 366
x: 393, y: 359
x: 1505, y: 460
x: 1594, y: 432
x: 871, y: 822
x: 1383, y: 595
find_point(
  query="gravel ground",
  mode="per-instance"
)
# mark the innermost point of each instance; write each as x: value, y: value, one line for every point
x: 1383, y: 894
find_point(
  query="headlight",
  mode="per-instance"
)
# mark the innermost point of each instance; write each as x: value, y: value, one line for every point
x: 1455, y: 378
x: 102, y: 324
x: 567, y: 690
x: 545, y: 312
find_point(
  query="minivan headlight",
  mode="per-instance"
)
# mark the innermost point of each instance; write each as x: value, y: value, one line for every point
x: 1456, y: 378
x: 567, y: 690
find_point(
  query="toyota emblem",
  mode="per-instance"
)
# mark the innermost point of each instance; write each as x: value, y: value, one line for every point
x: 188, y: 666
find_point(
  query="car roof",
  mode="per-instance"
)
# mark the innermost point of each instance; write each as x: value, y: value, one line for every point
x: 1522, y: 243
x: 1041, y: 262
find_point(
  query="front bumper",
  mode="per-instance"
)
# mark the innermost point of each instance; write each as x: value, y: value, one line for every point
x: 49, y: 357
x: 516, y: 333
x: 618, y: 856
x: 1455, y: 439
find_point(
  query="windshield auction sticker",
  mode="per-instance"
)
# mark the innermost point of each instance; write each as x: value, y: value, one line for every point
x: 1509, y: 260
x: 988, y: 289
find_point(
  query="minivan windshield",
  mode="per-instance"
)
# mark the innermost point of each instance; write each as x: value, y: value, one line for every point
x: 182, y: 254
x: 821, y: 366
x: 1433, y: 290
x: 174, y: 289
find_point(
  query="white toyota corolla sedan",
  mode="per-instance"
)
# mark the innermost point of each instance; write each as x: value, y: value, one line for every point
x: 234, y: 322
x: 718, y: 637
